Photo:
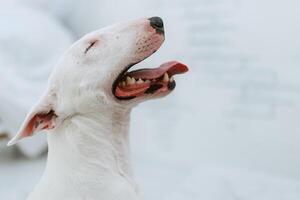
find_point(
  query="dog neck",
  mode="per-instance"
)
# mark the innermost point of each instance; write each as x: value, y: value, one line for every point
x: 90, y: 151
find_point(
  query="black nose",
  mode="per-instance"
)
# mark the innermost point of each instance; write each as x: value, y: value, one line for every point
x: 157, y: 23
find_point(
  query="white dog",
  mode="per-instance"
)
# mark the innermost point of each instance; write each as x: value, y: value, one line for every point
x: 86, y: 109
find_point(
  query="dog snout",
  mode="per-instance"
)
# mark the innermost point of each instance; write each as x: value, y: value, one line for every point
x: 157, y: 23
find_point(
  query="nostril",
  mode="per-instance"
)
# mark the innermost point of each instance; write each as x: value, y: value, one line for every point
x: 157, y: 23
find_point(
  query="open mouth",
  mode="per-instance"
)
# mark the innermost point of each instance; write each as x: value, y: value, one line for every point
x: 147, y: 81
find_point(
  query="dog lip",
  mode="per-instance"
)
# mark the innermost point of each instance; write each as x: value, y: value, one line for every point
x: 153, y: 88
x: 115, y: 83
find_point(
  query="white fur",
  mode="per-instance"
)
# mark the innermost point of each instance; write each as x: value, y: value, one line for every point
x: 88, y: 148
x: 89, y: 159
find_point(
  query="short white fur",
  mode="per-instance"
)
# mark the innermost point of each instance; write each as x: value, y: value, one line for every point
x: 88, y: 154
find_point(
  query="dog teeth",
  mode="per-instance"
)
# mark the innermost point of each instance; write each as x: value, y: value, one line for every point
x: 130, y: 81
x: 166, y: 78
x: 123, y: 84
x: 140, y: 81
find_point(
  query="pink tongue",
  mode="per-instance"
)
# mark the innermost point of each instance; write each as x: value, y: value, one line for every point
x: 172, y: 67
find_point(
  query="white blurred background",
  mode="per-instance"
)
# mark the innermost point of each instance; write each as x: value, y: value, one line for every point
x: 228, y: 132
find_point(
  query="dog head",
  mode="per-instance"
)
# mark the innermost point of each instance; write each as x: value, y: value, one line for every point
x: 94, y: 73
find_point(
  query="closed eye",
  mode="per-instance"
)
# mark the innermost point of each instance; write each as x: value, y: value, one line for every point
x: 90, y: 46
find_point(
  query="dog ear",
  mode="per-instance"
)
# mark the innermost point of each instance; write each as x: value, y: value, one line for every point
x: 41, y: 117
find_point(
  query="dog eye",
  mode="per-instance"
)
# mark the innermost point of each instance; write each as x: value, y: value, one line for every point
x: 90, y: 46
